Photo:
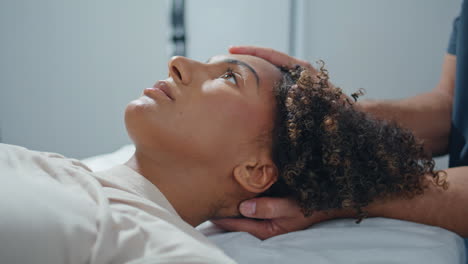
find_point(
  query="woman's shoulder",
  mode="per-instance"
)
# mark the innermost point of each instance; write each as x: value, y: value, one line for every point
x: 22, y: 163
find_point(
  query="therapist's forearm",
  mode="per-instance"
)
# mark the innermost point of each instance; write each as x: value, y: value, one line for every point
x: 444, y: 208
x: 427, y: 115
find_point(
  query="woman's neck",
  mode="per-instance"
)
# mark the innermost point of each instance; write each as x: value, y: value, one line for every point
x: 186, y: 187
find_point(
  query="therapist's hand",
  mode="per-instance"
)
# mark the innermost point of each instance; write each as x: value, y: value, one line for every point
x: 268, y: 217
x: 275, y: 57
x: 282, y: 59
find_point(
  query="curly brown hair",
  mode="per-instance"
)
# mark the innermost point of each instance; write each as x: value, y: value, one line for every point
x: 330, y: 155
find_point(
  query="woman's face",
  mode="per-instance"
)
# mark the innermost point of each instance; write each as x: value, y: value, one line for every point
x: 212, y: 111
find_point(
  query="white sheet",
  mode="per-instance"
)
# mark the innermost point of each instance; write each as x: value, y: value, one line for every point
x: 376, y: 240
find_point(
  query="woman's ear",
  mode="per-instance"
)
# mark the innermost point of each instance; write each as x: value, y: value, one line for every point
x: 256, y: 177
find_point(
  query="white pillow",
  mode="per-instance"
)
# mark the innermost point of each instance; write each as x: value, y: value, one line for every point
x: 374, y: 240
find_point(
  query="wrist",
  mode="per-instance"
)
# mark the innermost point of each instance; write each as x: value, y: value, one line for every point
x: 368, y: 106
x: 336, y: 214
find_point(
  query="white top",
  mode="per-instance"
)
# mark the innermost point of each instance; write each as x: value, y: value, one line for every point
x: 56, y: 210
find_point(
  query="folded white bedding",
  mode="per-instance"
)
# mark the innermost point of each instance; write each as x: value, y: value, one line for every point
x: 375, y: 240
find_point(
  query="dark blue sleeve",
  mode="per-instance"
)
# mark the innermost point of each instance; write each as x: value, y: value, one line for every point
x: 458, y: 143
x: 452, y: 46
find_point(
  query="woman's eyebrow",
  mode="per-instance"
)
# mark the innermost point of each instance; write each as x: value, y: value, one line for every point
x: 242, y: 64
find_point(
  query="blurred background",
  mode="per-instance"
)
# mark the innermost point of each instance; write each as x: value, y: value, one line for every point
x: 68, y: 68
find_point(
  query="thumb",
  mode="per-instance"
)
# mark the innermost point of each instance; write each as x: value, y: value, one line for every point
x: 269, y: 208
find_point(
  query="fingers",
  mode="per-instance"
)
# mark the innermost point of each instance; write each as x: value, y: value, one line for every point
x: 278, y: 216
x: 271, y: 55
x: 259, y: 228
x: 270, y: 208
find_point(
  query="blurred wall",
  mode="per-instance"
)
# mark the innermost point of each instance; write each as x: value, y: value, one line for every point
x: 213, y: 25
x: 68, y: 68
x: 392, y: 48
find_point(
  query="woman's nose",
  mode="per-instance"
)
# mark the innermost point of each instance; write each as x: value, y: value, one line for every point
x: 180, y: 69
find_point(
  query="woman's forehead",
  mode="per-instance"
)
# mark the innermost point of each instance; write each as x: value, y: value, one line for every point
x: 253, y: 61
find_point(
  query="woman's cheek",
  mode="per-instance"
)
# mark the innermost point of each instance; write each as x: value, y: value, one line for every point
x: 240, y: 116
x: 230, y: 108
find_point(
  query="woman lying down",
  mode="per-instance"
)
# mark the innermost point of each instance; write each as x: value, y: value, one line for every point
x: 209, y: 137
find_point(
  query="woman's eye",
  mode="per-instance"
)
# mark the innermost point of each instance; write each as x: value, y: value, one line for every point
x: 230, y: 76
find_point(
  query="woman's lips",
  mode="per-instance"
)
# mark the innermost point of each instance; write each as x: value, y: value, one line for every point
x: 161, y: 87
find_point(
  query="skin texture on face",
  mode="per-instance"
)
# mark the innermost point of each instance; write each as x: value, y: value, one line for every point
x: 193, y: 140
x: 209, y: 112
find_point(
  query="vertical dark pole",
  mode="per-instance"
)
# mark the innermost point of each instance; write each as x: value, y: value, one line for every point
x: 178, y: 28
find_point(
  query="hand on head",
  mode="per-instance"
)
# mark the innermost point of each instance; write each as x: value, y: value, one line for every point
x: 275, y: 57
